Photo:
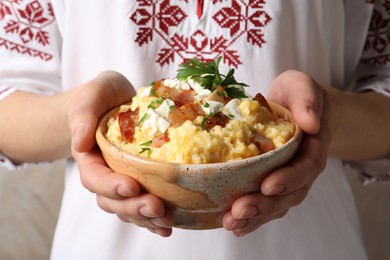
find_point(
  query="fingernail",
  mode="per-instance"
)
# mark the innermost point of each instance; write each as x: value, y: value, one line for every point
x: 159, y: 223
x: 77, y: 138
x: 275, y: 190
x: 160, y: 232
x: 124, y: 191
x: 240, y: 232
x: 238, y: 224
x: 146, y: 212
x: 248, y: 212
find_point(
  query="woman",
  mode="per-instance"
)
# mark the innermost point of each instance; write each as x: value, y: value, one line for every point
x: 305, y: 54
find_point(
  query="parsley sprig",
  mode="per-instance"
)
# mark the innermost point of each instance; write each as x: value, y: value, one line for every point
x: 210, y: 76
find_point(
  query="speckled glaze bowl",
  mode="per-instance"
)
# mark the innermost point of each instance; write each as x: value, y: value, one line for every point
x: 198, y: 194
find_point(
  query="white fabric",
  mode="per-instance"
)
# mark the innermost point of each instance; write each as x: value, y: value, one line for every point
x: 322, y: 38
x: 323, y: 227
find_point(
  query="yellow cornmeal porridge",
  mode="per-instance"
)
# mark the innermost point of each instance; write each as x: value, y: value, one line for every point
x: 200, y: 116
x: 248, y: 122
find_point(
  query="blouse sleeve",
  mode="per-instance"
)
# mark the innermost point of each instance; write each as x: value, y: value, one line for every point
x: 30, y: 45
x: 374, y: 75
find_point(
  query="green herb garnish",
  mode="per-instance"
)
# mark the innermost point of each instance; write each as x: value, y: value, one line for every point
x: 148, y: 143
x: 204, y: 121
x: 143, y: 118
x: 235, y: 92
x: 155, y: 103
x: 153, y: 92
x: 146, y: 149
x: 208, y: 73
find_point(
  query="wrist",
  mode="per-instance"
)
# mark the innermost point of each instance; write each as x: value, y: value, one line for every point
x: 358, y: 124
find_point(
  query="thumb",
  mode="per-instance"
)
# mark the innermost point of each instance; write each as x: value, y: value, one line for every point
x: 302, y: 96
x: 83, y: 132
x: 91, y: 102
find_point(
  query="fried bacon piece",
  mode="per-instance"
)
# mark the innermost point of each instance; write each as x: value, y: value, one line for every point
x: 176, y: 117
x: 180, y: 98
x: 263, y: 102
x: 184, y: 97
x: 186, y: 112
x: 161, y: 91
x: 160, y: 140
x: 216, y: 119
x: 191, y: 110
x: 219, y: 95
x: 127, y: 122
x: 264, y: 144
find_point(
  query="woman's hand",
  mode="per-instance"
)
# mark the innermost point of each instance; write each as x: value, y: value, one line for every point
x: 116, y: 193
x: 288, y: 186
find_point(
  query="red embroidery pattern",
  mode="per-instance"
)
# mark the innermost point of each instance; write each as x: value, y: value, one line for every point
x: 200, y: 8
x: 250, y: 21
x: 25, y: 22
x: 239, y: 18
x: 377, y: 46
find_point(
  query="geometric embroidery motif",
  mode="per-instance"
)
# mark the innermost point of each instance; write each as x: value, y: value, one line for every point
x: 377, y: 46
x: 239, y: 19
x: 24, y: 23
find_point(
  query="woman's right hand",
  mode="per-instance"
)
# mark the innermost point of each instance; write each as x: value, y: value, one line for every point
x: 116, y: 193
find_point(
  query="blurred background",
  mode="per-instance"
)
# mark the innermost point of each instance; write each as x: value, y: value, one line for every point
x: 30, y: 203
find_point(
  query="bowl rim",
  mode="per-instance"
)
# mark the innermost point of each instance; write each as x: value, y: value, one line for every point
x: 280, y: 110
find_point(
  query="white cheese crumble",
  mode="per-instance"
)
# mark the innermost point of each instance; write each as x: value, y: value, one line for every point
x: 212, y: 106
x: 146, y: 92
x: 165, y: 108
x: 201, y: 92
x: 231, y: 109
x: 155, y: 122
x: 177, y: 84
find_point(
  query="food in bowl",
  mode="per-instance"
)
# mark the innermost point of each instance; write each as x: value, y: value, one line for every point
x: 182, y: 121
x: 198, y: 142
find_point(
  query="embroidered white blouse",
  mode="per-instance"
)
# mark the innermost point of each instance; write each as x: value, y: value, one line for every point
x: 50, y: 46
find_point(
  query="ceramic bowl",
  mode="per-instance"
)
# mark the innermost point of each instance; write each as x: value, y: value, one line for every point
x: 198, y: 194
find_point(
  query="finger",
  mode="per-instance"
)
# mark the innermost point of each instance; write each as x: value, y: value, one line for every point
x: 141, y: 207
x: 257, y: 205
x: 159, y: 225
x: 302, y: 96
x: 308, y: 163
x: 253, y: 224
x: 140, y: 222
x: 230, y: 223
x: 155, y: 225
x: 99, y: 179
x: 164, y: 232
x: 166, y: 221
x: 145, y: 210
x: 95, y: 98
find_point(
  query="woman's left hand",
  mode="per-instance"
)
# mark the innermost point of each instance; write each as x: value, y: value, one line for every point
x: 288, y: 186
